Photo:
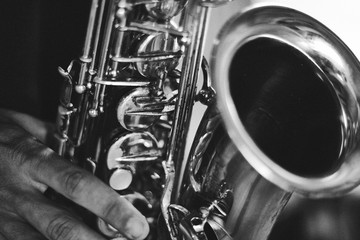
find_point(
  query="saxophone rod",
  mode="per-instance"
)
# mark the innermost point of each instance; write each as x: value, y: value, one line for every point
x: 103, y: 58
x: 122, y: 17
x: 86, y: 58
x: 97, y: 37
x: 186, y: 98
x: 90, y: 29
x: 99, y: 88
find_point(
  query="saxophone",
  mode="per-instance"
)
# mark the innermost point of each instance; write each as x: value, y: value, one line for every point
x: 282, y: 115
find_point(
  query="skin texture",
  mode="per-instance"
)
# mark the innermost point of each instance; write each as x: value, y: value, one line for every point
x: 28, y: 168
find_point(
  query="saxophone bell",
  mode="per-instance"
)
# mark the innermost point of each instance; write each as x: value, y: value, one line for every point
x: 286, y: 121
x: 304, y: 100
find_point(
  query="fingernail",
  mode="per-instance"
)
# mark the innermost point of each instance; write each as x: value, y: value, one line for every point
x: 138, y: 228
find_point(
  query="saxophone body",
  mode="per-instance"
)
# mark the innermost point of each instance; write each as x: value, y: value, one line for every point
x: 282, y: 115
x: 126, y: 102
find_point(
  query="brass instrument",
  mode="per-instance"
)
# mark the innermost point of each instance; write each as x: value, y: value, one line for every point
x: 288, y: 117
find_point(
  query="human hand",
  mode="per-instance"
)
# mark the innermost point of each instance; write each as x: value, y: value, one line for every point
x: 28, y: 168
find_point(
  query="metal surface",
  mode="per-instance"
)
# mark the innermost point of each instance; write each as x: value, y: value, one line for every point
x: 232, y: 200
x: 334, y: 64
x: 286, y: 89
x: 126, y: 103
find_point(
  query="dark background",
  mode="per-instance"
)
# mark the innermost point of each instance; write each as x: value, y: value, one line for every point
x: 36, y: 37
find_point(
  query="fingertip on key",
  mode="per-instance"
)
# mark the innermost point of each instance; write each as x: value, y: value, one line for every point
x: 138, y: 228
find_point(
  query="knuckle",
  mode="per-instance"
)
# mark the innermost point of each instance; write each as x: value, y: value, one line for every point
x: 16, y: 150
x: 111, y: 209
x: 24, y: 157
x: 62, y: 228
x: 74, y: 181
x: 16, y: 155
x: 27, y: 149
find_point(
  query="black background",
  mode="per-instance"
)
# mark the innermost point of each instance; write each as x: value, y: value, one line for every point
x: 36, y: 37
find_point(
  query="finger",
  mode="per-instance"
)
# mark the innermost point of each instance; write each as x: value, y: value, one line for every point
x: 86, y: 190
x: 34, y: 126
x: 52, y: 221
x: 13, y: 228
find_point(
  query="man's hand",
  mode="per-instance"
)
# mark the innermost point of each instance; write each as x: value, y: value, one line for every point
x: 28, y: 168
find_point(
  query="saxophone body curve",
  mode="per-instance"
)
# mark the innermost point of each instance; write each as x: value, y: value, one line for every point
x: 282, y: 114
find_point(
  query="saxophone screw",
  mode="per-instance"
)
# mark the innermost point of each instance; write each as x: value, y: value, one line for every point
x: 93, y: 113
x: 185, y: 41
x: 80, y: 89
